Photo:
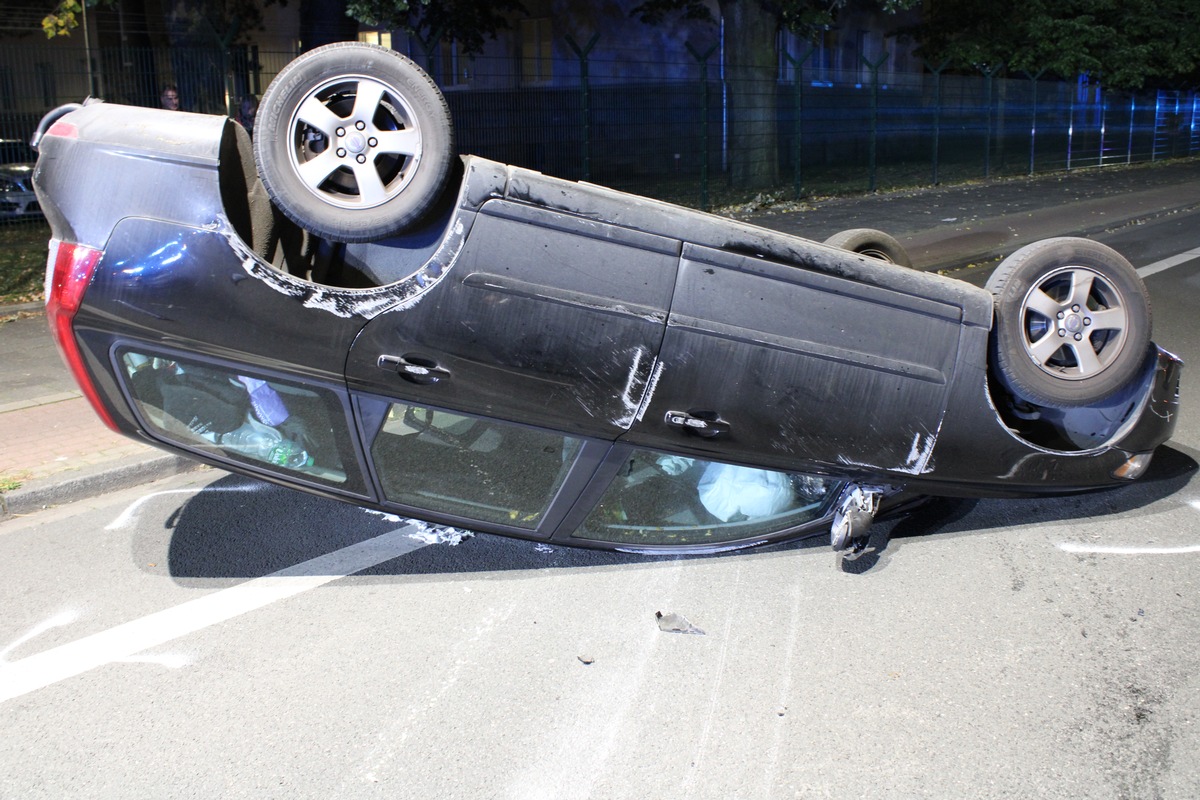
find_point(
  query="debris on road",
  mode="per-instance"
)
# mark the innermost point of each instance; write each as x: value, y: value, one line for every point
x: 438, y: 534
x: 676, y: 623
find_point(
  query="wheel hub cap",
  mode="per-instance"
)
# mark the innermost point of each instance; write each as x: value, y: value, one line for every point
x: 1073, y: 323
x: 356, y: 143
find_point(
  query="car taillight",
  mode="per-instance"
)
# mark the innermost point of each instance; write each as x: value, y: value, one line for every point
x: 68, y: 272
x: 64, y: 129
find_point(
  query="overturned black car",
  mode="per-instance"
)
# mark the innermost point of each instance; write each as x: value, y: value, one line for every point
x: 343, y: 306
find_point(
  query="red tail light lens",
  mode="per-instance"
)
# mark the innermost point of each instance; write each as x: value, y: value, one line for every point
x: 68, y: 273
x: 66, y: 130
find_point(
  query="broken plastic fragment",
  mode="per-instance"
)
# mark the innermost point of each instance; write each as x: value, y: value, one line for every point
x: 382, y: 514
x: 586, y: 660
x: 676, y: 623
x: 438, y: 534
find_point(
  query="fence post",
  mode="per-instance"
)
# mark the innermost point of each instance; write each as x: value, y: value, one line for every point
x: 702, y: 59
x: 798, y: 102
x: 1103, y: 124
x: 1071, y: 123
x: 1132, y: 113
x: 1033, y: 79
x: 874, y: 68
x: 1192, y: 125
x: 988, y: 72
x: 937, y: 112
x: 585, y: 101
x: 87, y: 50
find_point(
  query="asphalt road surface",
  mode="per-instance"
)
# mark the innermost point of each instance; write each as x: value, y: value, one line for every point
x: 209, y: 636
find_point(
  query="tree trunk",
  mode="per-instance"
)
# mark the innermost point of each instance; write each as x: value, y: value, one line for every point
x: 750, y: 68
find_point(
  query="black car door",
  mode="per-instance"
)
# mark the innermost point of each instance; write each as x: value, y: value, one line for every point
x: 544, y: 318
x: 781, y: 365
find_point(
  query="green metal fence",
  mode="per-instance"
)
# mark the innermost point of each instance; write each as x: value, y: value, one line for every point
x: 671, y: 136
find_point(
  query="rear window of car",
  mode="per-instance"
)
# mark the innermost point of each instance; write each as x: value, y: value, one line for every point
x: 235, y: 414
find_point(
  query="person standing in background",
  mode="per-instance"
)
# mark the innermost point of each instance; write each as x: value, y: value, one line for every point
x: 247, y: 112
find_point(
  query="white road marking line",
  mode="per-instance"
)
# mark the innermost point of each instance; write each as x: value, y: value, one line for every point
x: 60, y: 620
x: 1130, y: 550
x: 121, y: 643
x: 1167, y: 263
x: 129, y: 515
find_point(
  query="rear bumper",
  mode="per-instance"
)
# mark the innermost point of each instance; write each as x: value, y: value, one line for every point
x: 1158, y: 417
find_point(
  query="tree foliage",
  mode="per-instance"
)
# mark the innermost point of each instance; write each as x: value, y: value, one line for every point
x: 204, y: 20
x: 1128, y: 43
x: 65, y: 17
x: 468, y: 22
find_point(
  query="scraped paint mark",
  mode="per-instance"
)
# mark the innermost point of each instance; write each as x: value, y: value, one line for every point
x: 640, y: 384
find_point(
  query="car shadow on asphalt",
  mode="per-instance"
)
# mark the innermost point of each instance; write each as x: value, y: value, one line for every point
x: 237, y: 528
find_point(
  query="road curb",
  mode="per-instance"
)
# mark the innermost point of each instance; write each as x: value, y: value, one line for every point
x: 90, y: 482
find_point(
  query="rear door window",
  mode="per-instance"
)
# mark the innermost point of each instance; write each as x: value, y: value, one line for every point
x: 471, y: 467
x: 235, y: 413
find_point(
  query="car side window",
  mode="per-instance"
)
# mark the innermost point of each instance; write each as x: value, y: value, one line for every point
x: 470, y: 467
x: 216, y: 409
x: 661, y: 499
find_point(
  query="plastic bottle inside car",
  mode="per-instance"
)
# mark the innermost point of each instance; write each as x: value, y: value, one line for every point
x: 263, y: 443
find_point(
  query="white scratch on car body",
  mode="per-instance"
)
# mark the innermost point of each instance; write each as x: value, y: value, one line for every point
x: 366, y: 303
x: 638, y: 392
x: 651, y: 386
x: 918, y: 455
x: 632, y: 383
x: 917, y: 462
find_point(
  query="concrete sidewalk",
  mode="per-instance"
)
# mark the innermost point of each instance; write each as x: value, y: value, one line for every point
x: 53, y: 447
x: 54, y: 450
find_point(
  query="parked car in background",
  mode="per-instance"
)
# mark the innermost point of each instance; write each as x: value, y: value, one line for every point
x: 17, y: 197
x: 347, y: 308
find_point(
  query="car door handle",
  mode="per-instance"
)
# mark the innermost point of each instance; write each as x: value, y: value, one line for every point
x: 702, y: 423
x: 413, y: 368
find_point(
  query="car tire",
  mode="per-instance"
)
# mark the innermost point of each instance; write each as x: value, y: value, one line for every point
x: 1072, y: 322
x: 872, y: 243
x: 354, y: 142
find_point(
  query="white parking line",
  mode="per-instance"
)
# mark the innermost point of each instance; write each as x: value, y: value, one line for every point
x: 121, y: 643
x: 131, y: 511
x: 1130, y: 550
x: 1167, y: 263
